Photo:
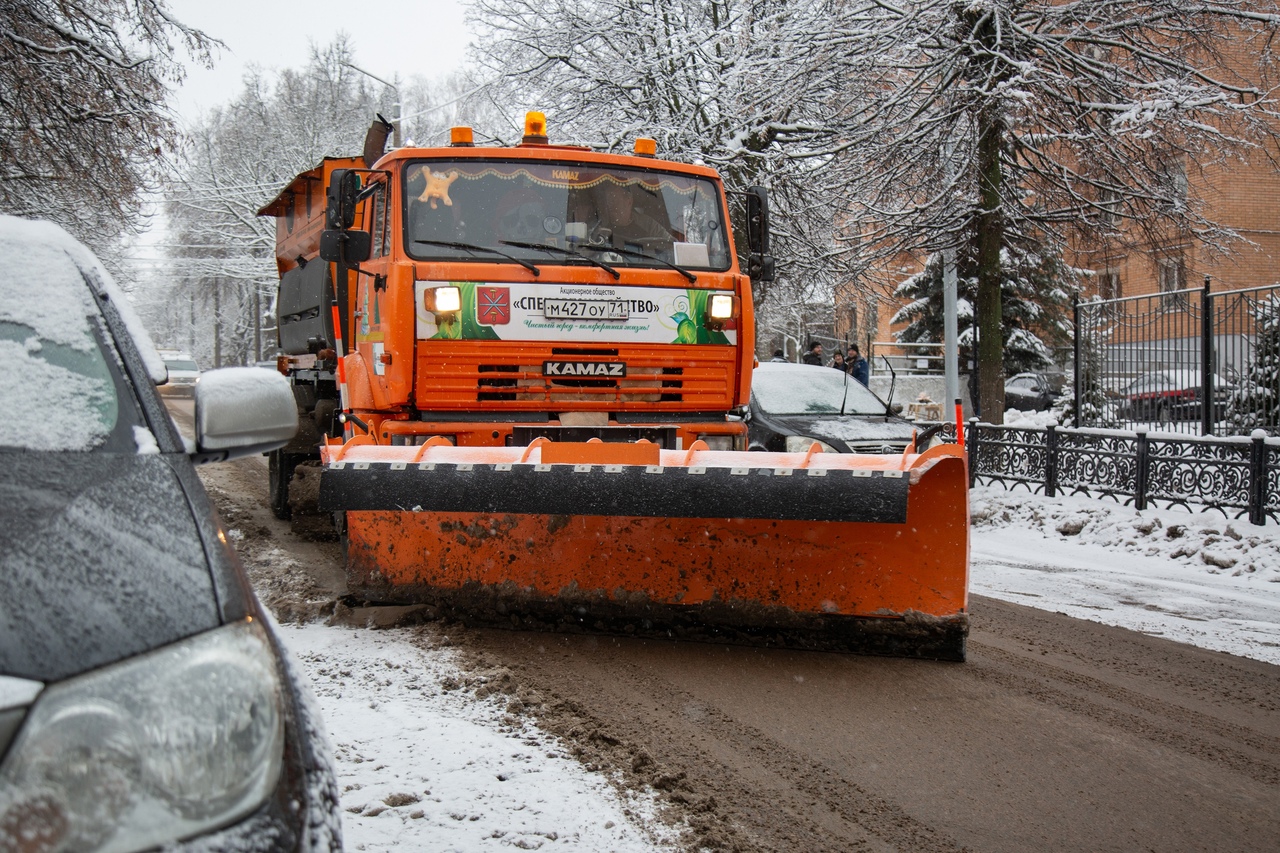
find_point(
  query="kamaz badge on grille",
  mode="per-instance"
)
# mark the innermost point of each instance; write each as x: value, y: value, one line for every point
x: 584, y: 368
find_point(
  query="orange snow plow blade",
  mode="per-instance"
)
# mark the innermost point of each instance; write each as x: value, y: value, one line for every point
x: 829, y: 551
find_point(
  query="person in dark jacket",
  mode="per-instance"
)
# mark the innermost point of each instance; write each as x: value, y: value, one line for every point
x: 837, y: 361
x: 814, y: 355
x: 857, y: 365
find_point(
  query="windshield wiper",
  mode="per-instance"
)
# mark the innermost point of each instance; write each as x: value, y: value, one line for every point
x: 631, y: 253
x: 542, y: 247
x: 469, y: 247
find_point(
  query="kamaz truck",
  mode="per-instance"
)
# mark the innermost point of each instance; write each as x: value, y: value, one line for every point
x: 526, y: 370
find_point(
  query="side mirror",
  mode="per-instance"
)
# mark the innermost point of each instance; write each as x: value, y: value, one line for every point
x: 760, y: 264
x: 758, y: 220
x: 340, y: 211
x: 345, y: 247
x: 242, y: 411
x: 760, y: 267
x: 896, y: 408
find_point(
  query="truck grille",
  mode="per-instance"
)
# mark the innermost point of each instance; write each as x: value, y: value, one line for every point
x: 651, y: 379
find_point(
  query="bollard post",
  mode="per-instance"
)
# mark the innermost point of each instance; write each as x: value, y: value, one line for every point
x: 1141, y: 471
x: 1258, y: 477
x: 973, y: 451
x: 1051, y: 461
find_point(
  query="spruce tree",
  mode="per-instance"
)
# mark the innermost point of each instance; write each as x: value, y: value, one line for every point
x: 1095, y: 409
x: 1036, y: 300
x: 1256, y: 403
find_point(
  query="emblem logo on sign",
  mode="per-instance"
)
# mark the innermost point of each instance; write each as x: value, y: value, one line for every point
x: 493, y: 305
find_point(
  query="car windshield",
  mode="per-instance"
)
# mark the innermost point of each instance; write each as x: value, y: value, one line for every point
x: 805, y: 390
x: 59, y: 369
x: 182, y: 364
x: 1185, y: 379
x: 475, y: 209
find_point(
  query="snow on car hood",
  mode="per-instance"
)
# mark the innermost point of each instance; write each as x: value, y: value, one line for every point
x: 100, y: 559
x: 846, y: 428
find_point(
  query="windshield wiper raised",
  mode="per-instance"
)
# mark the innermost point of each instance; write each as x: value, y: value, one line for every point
x: 632, y: 253
x: 470, y: 247
x: 542, y: 247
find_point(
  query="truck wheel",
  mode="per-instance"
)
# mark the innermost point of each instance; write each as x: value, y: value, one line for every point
x: 279, y: 473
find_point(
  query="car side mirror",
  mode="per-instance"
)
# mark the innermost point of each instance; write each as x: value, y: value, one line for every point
x: 242, y: 411
x: 896, y: 408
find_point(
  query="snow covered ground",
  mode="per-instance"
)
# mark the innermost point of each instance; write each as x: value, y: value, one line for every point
x: 425, y: 765
x: 1191, y: 577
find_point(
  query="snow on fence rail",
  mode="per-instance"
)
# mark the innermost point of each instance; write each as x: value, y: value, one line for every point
x: 1237, y: 475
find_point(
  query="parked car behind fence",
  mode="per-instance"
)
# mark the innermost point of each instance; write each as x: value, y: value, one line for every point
x: 1165, y: 396
x: 1033, y: 392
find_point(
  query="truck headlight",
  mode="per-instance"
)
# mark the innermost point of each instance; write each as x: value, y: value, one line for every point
x: 717, y: 442
x: 802, y: 443
x: 721, y: 306
x: 442, y: 300
x: 146, y: 752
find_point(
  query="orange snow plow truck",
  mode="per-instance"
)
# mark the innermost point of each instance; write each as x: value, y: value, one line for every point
x: 526, y: 371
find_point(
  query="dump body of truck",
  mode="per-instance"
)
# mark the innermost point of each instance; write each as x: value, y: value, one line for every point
x: 542, y: 361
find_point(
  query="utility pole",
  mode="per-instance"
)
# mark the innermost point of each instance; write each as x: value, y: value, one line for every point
x: 395, y: 120
x: 950, y: 325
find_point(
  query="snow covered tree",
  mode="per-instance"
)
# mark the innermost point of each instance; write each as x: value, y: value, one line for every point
x: 987, y: 124
x: 1035, y: 293
x: 1256, y: 403
x: 223, y: 275
x: 219, y: 299
x: 756, y: 90
x: 83, y: 124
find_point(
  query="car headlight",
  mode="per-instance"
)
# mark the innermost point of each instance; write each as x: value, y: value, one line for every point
x: 802, y: 443
x: 149, y: 751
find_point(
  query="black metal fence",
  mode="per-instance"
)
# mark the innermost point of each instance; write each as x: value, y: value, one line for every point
x: 1150, y: 362
x: 1238, y: 476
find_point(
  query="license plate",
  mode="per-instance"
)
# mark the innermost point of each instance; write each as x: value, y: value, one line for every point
x: 584, y: 309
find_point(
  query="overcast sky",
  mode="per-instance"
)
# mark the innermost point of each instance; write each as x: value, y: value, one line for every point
x: 390, y: 37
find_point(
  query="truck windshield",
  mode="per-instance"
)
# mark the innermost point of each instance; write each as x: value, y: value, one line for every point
x: 626, y: 217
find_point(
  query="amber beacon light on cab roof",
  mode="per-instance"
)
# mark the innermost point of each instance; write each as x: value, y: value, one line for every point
x: 524, y: 373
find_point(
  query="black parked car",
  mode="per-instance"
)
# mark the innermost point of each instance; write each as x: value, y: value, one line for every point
x: 1033, y: 392
x: 794, y: 405
x: 144, y: 700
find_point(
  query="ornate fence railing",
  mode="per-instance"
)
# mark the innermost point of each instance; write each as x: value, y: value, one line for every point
x: 1237, y: 476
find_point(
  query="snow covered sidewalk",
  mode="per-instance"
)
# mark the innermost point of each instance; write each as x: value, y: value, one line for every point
x: 1190, y: 577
